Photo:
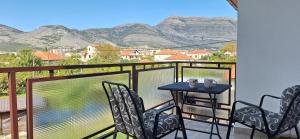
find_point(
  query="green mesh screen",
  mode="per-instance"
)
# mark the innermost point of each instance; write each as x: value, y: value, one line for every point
x: 149, y: 81
x: 71, y: 108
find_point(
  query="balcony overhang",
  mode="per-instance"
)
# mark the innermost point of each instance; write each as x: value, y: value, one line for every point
x: 233, y: 3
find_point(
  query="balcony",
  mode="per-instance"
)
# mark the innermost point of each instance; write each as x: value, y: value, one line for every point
x: 57, y: 105
x: 69, y: 101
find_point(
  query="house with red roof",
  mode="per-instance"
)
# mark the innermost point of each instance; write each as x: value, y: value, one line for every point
x: 199, y: 54
x: 130, y: 54
x: 49, y: 57
x: 89, y: 53
x: 179, y: 57
x: 163, y: 54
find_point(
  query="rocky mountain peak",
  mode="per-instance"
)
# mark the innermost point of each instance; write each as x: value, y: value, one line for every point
x: 7, y: 30
x: 175, y: 31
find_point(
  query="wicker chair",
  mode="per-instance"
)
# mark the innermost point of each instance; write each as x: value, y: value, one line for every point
x: 270, y: 123
x: 131, y: 119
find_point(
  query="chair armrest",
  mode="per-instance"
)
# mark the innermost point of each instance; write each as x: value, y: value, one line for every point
x: 263, y: 98
x: 142, y: 101
x: 246, y: 103
x: 255, y: 106
x: 159, y: 111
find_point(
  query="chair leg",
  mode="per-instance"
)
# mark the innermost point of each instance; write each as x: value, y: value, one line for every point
x: 297, y: 132
x: 183, y: 131
x: 252, y: 133
x: 181, y: 123
x: 229, y: 128
x: 183, y: 128
x: 115, y: 134
x: 176, y: 133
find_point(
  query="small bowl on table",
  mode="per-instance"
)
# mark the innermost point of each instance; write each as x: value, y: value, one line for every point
x: 192, y: 83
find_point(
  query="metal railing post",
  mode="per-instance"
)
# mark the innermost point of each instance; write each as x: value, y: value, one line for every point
x: 29, y: 110
x: 51, y: 73
x: 13, y: 114
x: 134, y: 78
x: 176, y: 71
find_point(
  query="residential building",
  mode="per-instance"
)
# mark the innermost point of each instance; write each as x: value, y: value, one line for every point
x: 199, y: 54
x: 182, y: 51
x: 89, y: 53
x: 10, y: 53
x: 148, y: 52
x: 48, y: 57
x: 178, y: 57
x: 63, y: 51
x: 163, y: 54
x: 129, y: 54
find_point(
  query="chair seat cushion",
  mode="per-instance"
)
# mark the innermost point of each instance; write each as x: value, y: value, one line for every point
x: 252, y: 116
x: 166, y: 122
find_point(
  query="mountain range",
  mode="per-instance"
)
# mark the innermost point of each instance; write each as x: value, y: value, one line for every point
x: 172, y: 32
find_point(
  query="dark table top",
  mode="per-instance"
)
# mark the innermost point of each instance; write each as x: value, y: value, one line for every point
x: 184, y: 86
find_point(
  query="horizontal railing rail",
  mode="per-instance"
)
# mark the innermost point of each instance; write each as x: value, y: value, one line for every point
x: 47, y: 68
x: 133, y: 67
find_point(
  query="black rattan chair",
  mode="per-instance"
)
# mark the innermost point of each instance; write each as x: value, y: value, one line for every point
x: 131, y: 119
x: 270, y: 123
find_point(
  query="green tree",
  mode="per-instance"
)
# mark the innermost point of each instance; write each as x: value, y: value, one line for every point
x: 3, y: 85
x: 25, y: 58
x: 73, y: 60
x: 230, y: 47
x: 106, y: 53
x: 220, y: 57
x: 7, y: 60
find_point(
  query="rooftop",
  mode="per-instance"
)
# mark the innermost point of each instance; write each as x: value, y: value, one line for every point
x: 48, y: 56
x: 179, y: 56
x: 200, y: 51
x: 127, y: 52
x: 166, y: 52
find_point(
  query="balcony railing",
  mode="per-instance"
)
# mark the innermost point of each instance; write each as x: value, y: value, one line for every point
x: 77, y: 99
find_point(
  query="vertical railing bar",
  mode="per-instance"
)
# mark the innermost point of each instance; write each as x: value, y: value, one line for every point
x: 234, y: 82
x: 134, y: 78
x: 1, y: 128
x: 176, y: 66
x: 191, y: 64
x: 51, y: 73
x: 29, y: 110
x: 219, y: 65
x: 13, y: 105
x: 121, y: 68
x: 230, y: 87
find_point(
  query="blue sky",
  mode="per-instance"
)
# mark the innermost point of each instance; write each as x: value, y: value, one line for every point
x: 27, y: 15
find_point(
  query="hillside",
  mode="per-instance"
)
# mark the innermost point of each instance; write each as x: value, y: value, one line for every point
x: 172, y: 32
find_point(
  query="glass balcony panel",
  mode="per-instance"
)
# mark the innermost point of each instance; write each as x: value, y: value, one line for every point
x: 71, y: 108
x: 149, y: 81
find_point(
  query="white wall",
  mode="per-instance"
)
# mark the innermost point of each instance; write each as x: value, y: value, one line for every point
x: 161, y: 57
x: 268, y: 48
